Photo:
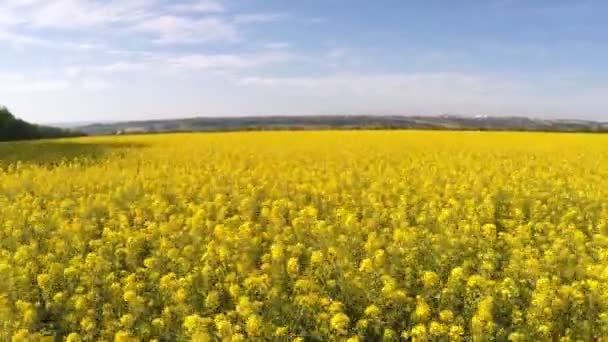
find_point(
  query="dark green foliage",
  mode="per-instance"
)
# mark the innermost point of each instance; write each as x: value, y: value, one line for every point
x: 51, y: 153
x: 12, y: 128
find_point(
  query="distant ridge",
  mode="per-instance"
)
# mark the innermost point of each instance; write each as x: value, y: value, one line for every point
x: 442, y: 122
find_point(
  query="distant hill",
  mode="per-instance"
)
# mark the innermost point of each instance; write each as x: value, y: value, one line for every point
x: 444, y: 122
x: 12, y: 128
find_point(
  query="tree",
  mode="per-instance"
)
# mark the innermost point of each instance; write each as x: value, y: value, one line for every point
x: 12, y: 128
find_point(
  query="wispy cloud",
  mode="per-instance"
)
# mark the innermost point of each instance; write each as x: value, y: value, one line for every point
x: 22, y: 39
x: 175, y: 22
x: 226, y: 64
x: 18, y: 83
x: 421, y: 93
x: 19, y: 39
x: 112, y: 68
x: 366, y: 83
x: 71, y: 14
x: 8, y: 18
x: 200, y: 6
x: 173, y: 29
x: 251, y: 18
x: 277, y: 45
x: 337, y: 52
x: 95, y: 84
x: 84, y: 77
x: 228, y: 61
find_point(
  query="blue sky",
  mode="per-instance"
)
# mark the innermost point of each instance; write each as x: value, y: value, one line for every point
x: 104, y: 60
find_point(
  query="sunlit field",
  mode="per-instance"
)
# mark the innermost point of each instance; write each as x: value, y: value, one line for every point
x: 314, y: 236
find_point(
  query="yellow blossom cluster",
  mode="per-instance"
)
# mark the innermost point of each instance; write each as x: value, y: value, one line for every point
x: 306, y: 236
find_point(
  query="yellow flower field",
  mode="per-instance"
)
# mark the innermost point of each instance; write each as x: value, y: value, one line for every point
x: 310, y: 236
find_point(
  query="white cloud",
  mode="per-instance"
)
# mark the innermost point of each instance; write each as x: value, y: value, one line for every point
x: 307, y: 82
x: 277, y: 45
x: 8, y: 18
x: 175, y: 29
x: 416, y: 93
x: 122, y: 67
x: 173, y: 64
x: 20, y: 40
x: 337, y: 53
x: 39, y: 86
x: 75, y: 14
x: 95, y: 84
x: 200, y: 6
x: 113, y: 68
x: 151, y: 17
x: 47, y: 81
x: 251, y: 18
x: 388, y: 81
x: 187, y: 21
x: 211, y: 62
x: 228, y: 61
x: 18, y: 83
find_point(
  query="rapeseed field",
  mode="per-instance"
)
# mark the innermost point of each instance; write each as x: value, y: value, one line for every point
x: 307, y: 236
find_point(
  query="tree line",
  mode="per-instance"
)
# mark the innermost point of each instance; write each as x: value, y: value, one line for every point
x: 12, y: 128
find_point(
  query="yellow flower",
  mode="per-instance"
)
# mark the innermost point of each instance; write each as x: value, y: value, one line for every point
x: 224, y: 328
x: 516, y: 337
x: 122, y: 336
x: 43, y: 280
x: 212, y: 301
x: 254, y: 325
x: 366, y: 265
x: 316, y: 258
x: 73, y: 337
x: 129, y: 296
x: 159, y: 324
x: 419, y: 333
x: 422, y: 313
x: 244, y: 307
x: 238, y: 338
x: 87, y: 324
x: 372, y: 311
x: 456, y: 333
x: 389, y: 335
x: 181, y: 295
x: 293, y: 266
x: 482, y: 323
x: 362, y: 325
x: 192, y: 323
x: 446, y: 316
x: 127, y: 321
x: 430, y: 279
x: 380, y: 258
x: 281, y: 331
x: 336, y: 307
x: 437, y: 329
x: 339, y: 323
x: 277, y: 252
x: 245, y: 236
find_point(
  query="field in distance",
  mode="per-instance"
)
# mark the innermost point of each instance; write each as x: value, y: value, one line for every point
x: 310, y: 235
